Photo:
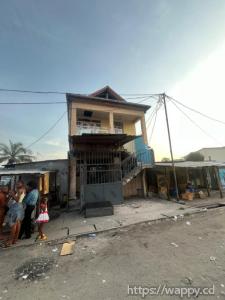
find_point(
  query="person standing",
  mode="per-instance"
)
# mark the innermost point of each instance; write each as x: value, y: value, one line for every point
x: 30, y: 202
x: 14, y: 217
x: 42, y: 219
x: 3, y: 208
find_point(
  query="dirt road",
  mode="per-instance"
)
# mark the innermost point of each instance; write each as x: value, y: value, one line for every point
x: 185, y: 253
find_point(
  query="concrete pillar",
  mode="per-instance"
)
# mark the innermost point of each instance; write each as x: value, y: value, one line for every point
x: 144, y: 184
x: 111, y: 122
x: 72, y: 178
x: 144, y: 130
x: 73, y: 120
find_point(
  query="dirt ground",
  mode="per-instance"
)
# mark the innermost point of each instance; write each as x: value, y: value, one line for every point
x: 188, y: 252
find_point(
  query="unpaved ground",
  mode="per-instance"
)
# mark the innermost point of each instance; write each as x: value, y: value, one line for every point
x: 102, y: 267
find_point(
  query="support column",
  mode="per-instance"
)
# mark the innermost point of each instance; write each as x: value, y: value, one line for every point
x: 73, y: 120
x: 144, y: 185
x: 218, y: 181
x: 111, y: 122
x: 144, y: 130
x: 207, y: 180
x: 72, y: 178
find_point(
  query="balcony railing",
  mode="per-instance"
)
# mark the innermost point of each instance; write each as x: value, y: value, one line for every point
x: 92, y: 129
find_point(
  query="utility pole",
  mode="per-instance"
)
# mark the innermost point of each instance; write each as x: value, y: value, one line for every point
x: 170, y: 143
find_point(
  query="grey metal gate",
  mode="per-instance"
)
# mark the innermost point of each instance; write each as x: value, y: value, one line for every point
x: 100, y: 182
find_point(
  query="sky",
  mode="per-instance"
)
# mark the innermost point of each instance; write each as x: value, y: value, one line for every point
x: 135, y: 46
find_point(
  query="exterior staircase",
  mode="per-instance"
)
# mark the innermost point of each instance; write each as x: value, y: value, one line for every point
x: 134, y: 164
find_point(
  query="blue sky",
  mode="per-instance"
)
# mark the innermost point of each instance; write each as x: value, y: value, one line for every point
x: 135, y: 46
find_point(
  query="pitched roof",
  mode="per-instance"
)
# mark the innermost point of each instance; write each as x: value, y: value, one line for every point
x: 107, y: 93
x: 106, y: 96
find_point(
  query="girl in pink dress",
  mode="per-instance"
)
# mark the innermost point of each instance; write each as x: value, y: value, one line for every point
x: 42, y: 219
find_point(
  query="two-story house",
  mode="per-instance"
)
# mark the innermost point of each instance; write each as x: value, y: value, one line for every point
x: 107, y: 160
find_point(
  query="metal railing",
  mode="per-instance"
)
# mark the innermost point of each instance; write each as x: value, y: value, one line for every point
x: 100, y: 176
x: 91, y: 158
x: 83, y: 128
x: 135, y: 160
x: 94, y: 128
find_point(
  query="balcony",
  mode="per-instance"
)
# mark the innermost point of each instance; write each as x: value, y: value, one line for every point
x: 95, y: 128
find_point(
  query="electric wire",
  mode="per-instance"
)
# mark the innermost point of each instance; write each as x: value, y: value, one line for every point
x: 196, y: 111
x: 153, y: 127
x: 45, y: 133
x: 193, y: 122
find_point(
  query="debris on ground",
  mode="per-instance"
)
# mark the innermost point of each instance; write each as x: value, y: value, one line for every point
x: 174, y: 244
x: 114, y: 234
x: 67, y: 248
x: 212, y: 258
x: 135, y: 205
x: 187, y: 281
x: 200, y: 238
x: 175, y: 218
x: 222, y: 285
x: 103, y: 281
x: 188, y: 223
x: 34, y: 269
x: 55, y: 249
x: 92, y: 235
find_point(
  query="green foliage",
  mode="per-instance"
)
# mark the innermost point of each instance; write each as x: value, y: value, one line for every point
x: 165, y: 159
x: 194, y: 156
x: 14, y: 153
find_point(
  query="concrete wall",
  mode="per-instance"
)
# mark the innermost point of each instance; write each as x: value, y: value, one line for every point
x: 61, y: 166
x: 134, y: 187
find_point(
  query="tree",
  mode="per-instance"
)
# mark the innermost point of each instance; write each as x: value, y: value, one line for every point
x: 14, y: 153
x: 194, y: 156
x: 165, y: 159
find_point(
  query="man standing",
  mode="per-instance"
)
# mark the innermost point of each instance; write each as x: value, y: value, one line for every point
x: 30, y: 202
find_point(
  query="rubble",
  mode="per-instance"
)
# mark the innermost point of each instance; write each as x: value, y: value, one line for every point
x: 34, y: 269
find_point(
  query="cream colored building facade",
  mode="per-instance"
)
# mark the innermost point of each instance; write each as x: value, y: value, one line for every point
x: 103, y: 121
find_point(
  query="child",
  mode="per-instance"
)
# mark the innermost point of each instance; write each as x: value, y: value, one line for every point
x: 42, y: 218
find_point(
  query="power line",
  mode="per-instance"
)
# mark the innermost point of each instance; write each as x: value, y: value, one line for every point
x: 192, y: 121
x: 153, y: 127
x: 196, y: 111
x: 64, y: 102
x: 32, y: 91
x: 149, y: 120
x: 64, y: 92
x: 44, y: 134
x: 32, y: 103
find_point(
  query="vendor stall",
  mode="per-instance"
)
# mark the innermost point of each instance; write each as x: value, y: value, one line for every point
x: 46, y: 181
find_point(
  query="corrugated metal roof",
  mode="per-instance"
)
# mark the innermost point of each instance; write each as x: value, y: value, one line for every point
x: 21, y: 172
x: 191, y: 164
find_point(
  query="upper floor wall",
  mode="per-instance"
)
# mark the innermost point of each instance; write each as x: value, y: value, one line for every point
x: 93, y: 114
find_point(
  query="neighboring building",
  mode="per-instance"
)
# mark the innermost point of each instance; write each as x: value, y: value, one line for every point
x: 60, y: 166
x: 213, y: 154
x: 107, y: 160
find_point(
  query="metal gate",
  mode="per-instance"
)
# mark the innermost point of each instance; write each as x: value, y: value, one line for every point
x: 100, y: 178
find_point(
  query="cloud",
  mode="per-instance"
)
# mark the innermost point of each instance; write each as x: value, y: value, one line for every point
x: 55, y: 143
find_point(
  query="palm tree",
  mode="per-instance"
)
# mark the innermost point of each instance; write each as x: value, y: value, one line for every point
x: 14, y: 153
